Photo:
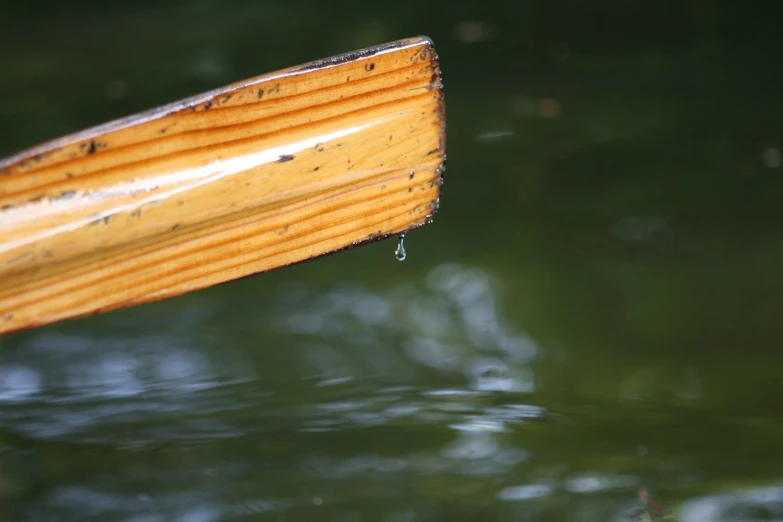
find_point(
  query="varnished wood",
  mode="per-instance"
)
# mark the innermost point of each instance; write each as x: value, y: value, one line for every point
x: 261, y: 174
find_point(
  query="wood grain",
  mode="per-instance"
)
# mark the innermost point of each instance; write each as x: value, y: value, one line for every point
x: 258, y: 175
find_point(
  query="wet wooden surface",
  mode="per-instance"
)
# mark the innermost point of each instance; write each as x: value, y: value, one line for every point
x: 258, y: 175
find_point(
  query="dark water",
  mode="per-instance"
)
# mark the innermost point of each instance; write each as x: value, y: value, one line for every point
x: 596, y: 310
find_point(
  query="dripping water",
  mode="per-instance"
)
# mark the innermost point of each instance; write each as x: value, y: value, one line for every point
x: 400, y: 252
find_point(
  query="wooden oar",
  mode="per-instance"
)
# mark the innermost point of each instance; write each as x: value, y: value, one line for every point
x: 258, y: 175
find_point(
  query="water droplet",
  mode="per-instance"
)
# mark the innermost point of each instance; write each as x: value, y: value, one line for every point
x: 400, y: 252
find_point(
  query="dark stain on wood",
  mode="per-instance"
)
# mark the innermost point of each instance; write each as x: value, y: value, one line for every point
x: 260, y: 93
x: 434, y: 81
x: 369, y: 66
x: 351, y: 57
x: 102, y: 220
x: 34, y: 159
x: 285, y: 158
x: 27, y: 255
x: 92, y: 146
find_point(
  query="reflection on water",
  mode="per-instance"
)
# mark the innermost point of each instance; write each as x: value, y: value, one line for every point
x: 349, y: 397
x: 439, y: 360
x: 79, y: 387
x: 753, y: 504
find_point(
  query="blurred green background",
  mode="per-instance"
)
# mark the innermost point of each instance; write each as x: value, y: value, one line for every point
x: 596, y: 308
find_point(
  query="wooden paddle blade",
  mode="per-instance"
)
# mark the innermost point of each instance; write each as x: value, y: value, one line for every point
x: 261, y: 174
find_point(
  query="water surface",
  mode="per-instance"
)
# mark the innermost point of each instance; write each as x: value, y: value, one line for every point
x: 595, y: 310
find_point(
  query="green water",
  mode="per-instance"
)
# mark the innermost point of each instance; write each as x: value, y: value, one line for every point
x: 595, y: 310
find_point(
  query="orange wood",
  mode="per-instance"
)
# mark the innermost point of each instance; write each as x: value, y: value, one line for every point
x: 258, y: 175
